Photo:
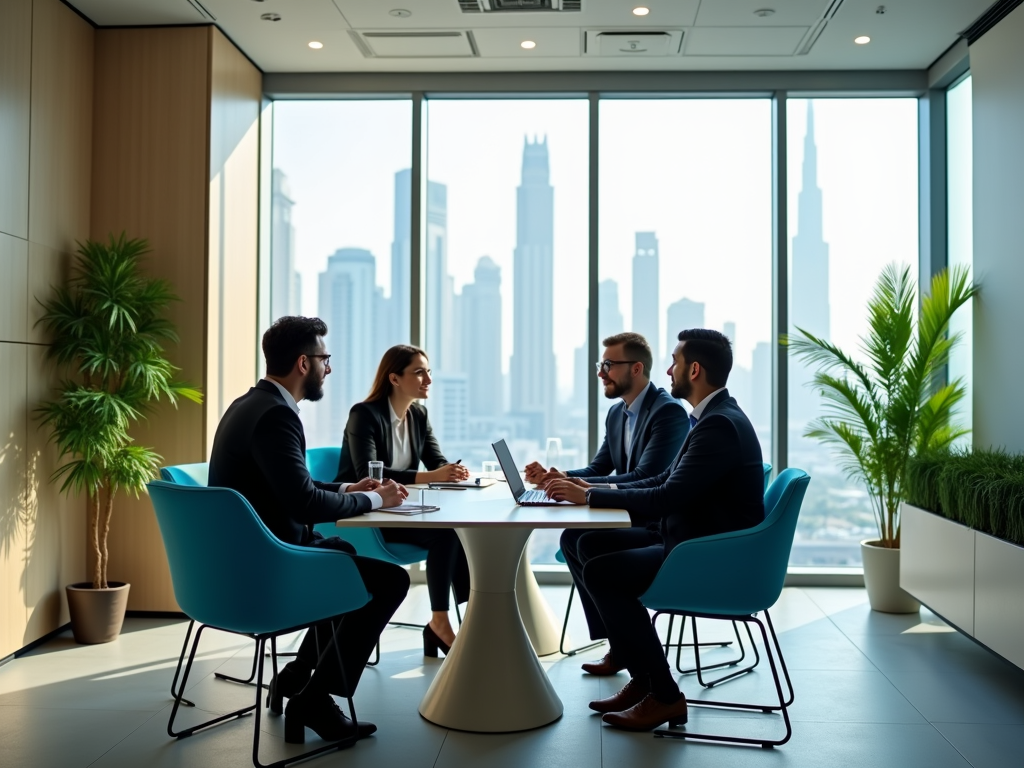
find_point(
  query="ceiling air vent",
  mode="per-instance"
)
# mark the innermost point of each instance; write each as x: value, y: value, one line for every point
x: 518, y: 6
x: 819, y: 26
x: 412, y: 44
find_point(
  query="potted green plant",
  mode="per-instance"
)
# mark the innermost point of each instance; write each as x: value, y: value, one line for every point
x: 880, y: 413
x: 106, y: 328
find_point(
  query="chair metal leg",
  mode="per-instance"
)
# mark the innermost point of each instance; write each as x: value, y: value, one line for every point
x: 333, y: 746
x: 376, y: 659
x: 565, y: 626
x: 177, y: 699
x: 732, y: 675
x: 250, y: 680
x: 771, y: 650
x: 176, y: 694
x: 680, y: 644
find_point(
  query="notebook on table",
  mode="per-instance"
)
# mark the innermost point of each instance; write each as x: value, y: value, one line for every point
x: 473, y: 482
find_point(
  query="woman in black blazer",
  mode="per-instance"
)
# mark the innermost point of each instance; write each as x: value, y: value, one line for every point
x: 390, y: 426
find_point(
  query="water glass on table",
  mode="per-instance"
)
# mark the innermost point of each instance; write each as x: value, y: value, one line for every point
x: 376, y: 471
x: 490, y: 469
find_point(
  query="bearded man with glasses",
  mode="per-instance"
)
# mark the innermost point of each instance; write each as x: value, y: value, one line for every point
x: 643, y: 433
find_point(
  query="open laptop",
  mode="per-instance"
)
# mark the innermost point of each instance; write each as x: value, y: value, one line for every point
x: 523, y: 497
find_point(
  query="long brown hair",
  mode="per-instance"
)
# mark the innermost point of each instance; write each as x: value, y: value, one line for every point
x: 395, y: 360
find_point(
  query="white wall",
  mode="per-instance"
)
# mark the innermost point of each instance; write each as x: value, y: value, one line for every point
x: 997, y: 69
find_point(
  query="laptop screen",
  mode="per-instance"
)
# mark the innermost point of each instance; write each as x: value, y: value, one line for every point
x: 515, y: 483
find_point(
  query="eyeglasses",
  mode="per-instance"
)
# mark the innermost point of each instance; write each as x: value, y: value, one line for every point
x: 605, y: 366
x: 325, y: 358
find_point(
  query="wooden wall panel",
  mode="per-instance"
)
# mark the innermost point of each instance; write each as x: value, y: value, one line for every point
x: 236, y: 90
x: 60, y: 161
x: 151, y: 179
x: 55, y: 524
x: 15, y: 90
x: 13, y: 550
x: 14, y: 285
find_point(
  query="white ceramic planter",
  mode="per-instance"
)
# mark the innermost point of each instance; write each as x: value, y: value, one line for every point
x: 882, y: 580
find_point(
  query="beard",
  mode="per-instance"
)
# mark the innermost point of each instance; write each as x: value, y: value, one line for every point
x: 613, y: 389
x: 681, y: 390
x: 312, y: 389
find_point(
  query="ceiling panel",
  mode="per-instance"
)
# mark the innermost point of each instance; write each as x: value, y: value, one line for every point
x: 117, y: 13
x: 741, y: 13
x: 743, y: 41
x: 506, y: 42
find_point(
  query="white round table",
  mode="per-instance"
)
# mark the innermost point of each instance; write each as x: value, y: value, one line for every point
x: 492, y: 681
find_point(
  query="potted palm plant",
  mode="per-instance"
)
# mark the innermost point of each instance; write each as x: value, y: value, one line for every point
x: 106, y: 327
x: 880, y: 413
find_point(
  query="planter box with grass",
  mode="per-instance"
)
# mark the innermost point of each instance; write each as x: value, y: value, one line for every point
x: 962, y: 538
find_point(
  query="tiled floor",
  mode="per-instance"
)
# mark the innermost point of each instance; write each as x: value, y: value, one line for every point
x: 871, y: 690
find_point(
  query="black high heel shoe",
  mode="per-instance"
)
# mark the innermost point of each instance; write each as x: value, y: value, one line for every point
x: 286, y: 684
x: 431, y: 643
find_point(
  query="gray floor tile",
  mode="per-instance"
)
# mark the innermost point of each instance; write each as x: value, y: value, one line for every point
x: 65, y: 738
x: 861, y: 620
x: 922, y: 652
x: 985, y: 745
x: 951, y: 695
x: 571, y: 741
x: 814, y: 745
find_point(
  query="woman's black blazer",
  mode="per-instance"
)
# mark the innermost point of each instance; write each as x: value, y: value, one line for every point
x: 368, y: 438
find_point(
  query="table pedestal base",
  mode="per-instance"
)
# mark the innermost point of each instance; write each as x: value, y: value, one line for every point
x: 541, y: 625
x: 492, y: 682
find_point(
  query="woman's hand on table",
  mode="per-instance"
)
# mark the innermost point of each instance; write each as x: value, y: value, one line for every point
x: 366, y: 484
x: 449, y: 473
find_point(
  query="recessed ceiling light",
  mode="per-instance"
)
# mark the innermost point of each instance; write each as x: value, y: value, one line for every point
x: 400, y: 13
x: 764, y: 13
x: 641, y: 11
x: 528, y: 44
x: 862, y: 40
x: 271, y: 17
x: 316, y: 45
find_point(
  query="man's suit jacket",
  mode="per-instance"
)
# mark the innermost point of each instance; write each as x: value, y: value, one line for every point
x: 714, y: 485
x: 260, y: 451
x: 368, y: 438
x: 661, y: 427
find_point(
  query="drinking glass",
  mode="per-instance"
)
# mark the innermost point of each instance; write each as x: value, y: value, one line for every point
x: 490, y: 469
x: 554, y: 451
x: 377, y: 471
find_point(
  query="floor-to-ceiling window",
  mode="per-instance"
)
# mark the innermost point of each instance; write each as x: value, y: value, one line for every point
x: 686, y: 235
x: 340, y: 239
x: 960, y: 207
x: 505, y: 275
x: 853, y: 208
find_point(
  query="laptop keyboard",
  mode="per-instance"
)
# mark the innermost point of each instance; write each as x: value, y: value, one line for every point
x: 532, y: 497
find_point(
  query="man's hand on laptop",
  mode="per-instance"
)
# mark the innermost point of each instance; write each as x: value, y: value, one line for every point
x: 366, y: 484
x: 568, y: 490
x: 534, y: 472
x: 392, y: 493
x: 549, y: 476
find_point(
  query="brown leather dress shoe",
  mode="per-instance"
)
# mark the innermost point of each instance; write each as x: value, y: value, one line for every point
x: 630, y: 694
x: 648, y: 715
x: 604, y: 667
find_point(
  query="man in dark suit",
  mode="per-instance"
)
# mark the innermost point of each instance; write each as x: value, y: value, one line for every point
x: 643, y: 433
x: 714, y: 485
x: 260, y: 451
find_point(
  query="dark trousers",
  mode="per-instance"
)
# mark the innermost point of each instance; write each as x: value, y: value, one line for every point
x: 358, y: 631
x: 575, y: 557
x: 447, y: 567
x: 618, y: 567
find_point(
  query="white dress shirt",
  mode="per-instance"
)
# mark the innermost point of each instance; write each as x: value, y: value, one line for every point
x: 376, y: 502
x: 698, y: 409
x: 402, y: 458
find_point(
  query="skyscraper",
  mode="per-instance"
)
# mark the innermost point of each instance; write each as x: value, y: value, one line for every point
x: 285, y: 298
x: 683, y: 314
x: 481, y: 332
x: 533, y: 356
x: 646, y: 311
x: 348, y: 298
x: 437, y: 305
x: 809, y: 302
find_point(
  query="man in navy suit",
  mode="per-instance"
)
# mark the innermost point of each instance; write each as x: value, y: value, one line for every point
x: 643, y: 433
x: 714, y: 485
